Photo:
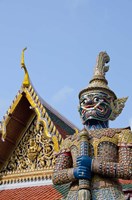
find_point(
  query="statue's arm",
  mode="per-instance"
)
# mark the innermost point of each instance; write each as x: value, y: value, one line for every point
x: 121, y: 169
x: 63, y: 171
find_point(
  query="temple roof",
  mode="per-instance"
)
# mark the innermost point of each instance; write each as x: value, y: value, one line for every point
x: 45, y: 192
x: 26, y: 106
x: 37, y: 192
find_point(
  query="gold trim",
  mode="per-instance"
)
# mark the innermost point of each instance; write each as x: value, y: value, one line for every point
x: 7, y: 117
x: 40, y: 118
x: 17, y: 142
x: 49, y: 130
x: 26, y: 81
x: 23, y: 176
x: 76, y: 131
x: 96, y: 143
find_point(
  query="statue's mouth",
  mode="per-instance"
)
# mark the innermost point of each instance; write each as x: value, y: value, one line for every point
x: 101, y: 109
x: 89, y: 108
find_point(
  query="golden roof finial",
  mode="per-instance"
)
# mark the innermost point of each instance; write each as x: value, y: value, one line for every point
x: 26, y: 81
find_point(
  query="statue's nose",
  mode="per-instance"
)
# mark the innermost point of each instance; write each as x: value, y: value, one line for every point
x: 89, y: 101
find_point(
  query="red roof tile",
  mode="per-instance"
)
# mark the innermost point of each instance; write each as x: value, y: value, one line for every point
x: 47, y: 192
x: 125, y: 181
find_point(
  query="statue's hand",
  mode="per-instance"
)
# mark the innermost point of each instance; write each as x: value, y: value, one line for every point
x: 82, y: 172
x: 85, y: 161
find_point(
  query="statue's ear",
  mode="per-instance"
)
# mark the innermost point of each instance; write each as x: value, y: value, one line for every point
x: 117, y: 106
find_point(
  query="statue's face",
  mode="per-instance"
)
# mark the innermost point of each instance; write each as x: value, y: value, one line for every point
x: 95, y: 106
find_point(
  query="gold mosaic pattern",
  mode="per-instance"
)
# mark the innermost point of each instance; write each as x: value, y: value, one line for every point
x: 34, y: 152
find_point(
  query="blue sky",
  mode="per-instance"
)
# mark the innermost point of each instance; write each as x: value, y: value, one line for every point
x: 63, y: 38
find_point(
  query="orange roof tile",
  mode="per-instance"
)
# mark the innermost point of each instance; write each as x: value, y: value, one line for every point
x: 47, y: 192
x: 125, y: 181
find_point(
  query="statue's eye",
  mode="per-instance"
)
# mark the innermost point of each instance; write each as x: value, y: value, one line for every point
x: 84, y: 102
x: 96, y: 99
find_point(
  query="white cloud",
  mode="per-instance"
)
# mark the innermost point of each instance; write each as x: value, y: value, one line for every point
x: 62, y: 94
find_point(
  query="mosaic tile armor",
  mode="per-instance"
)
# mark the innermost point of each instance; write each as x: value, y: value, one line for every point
x: 108, y: 149
x: 111, y: 150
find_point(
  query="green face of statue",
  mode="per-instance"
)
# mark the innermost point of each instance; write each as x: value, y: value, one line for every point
x: 95, y: 106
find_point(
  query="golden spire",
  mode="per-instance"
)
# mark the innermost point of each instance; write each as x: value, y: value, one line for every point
x: 26, y: 81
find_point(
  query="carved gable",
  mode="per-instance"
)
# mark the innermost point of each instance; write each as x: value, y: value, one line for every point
x: 31, y: 132
x: 33, y: 152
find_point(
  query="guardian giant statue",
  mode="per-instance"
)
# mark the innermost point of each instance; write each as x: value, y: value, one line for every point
x: 94, y: 159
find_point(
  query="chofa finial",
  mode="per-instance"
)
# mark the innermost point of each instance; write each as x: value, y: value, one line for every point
x: 22, y: 57
x: 26, y: 81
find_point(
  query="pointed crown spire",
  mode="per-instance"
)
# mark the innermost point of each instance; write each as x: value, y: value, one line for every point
x: 99, y: 82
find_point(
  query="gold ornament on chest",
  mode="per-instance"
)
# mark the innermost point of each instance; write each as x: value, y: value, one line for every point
x: 100, y: 141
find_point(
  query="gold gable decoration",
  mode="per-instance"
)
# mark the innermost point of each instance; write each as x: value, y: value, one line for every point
x: 49, y: 130
x: 34, y: 155
x: 33, y: 158
x: 34, y: 152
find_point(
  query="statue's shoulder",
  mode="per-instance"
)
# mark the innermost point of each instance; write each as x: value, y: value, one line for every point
x: 125, y: 137
x: 69, y: 141
x: 65, y: 146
